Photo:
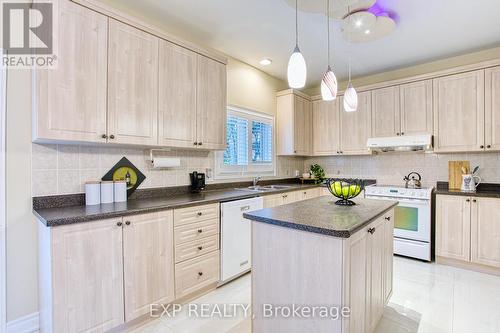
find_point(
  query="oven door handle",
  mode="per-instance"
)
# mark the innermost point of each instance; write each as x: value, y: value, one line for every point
x: 422, y: 202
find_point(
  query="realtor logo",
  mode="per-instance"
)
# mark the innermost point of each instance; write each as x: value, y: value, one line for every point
x: 28, y: 34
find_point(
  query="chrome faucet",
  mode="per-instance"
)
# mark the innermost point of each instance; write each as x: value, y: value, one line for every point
x: 256, y: 180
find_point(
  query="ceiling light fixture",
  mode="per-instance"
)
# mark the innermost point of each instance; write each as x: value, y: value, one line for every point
x: 265, y: 62
x: 329, y: 81
x: 297, y: 71
x: 350, y: 95
x: 358, y: 23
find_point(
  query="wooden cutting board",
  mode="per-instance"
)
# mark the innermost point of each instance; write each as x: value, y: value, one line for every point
x: 455, y: 173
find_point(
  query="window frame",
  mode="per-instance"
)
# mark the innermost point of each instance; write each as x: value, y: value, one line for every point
x: 223, y: 171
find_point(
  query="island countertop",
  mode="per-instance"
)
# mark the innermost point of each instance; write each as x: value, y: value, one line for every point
x: 321, y: 215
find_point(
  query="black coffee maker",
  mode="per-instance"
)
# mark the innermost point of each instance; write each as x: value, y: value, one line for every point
x: 197, y: 182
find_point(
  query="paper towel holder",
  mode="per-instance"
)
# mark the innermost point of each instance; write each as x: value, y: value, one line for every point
x: 170, y: 162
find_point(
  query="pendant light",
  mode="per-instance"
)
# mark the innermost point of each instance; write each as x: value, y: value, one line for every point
x: 350, y: 95
x: 329, y: 81
x: 297, y: 71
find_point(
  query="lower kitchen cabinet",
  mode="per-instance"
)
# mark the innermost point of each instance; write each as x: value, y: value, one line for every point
x: 453, y: 227
x: 97, y: 275
x: 485, y: 231
x: 369, y: 275
x: 81, y: 277
x: 272, y: 200
x: 467, y: 229
x: 148, y: 262
x: 309, y: 194
x: 196, y: 274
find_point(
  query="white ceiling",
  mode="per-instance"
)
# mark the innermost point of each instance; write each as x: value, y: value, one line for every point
x: 250, y: 30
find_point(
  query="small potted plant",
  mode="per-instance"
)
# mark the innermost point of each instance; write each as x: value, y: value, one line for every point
x: 317, y: 173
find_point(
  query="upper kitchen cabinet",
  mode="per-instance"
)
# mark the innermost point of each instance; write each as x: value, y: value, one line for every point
x: 385, y: 112
x: 70, y: 101
x: 492, y: 93
x: 325, y: 122
x: 416, y: 107
x: 177, y: 102
x: 355, y: 127
x: 294, y: 120
x: 211, y: 102
x: 132, y: 85
x: 459, y: 112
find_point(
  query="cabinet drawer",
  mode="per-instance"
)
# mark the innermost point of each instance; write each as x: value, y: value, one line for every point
x: 188, y: 215
x: 195, y: 231
x: 195, y: 274
x: 196, y: 248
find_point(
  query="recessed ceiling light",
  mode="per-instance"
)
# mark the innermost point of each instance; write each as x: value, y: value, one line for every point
x: 265, y: 61
x: 367, y: 31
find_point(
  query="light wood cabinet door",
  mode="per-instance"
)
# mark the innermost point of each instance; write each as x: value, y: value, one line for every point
x: 388, y: 255
x: 309, y: 194
x: 211, y: 104
x: 87, y: 274
x: 385, y: 112
x: 71, y: 99
x: 302, y: 126
x: 459, y: 112
x: 453, y: 227
x: 375, y: 258
x: 325, y: 128
x: 148, y: 252
x: 272, y: 200
x: 416, y: 108
x: 177, y: 96
x: 357, y: 288
x: 132, y: 85
x: 492, y: 93
x: 485, y: 231
x: 355, y: 127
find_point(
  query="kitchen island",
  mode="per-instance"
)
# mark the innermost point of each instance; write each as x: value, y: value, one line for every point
x: 319, y: 267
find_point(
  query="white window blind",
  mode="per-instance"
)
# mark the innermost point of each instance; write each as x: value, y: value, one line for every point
x: 250, y: 145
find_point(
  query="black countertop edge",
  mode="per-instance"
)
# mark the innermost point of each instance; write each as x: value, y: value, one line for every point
x: 486, y: 190
x: 52, y: 217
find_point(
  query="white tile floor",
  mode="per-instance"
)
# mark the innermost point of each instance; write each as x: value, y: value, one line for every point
x: 427, y: 298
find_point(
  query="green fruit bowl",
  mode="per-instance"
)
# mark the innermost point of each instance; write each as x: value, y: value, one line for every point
x: 345, y: 189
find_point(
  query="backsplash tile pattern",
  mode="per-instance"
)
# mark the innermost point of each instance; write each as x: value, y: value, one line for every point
x: 390, y: 168
x: 63, y: 169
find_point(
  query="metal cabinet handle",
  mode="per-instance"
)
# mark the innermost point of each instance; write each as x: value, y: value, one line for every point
x: 200, y: 248
x: 200, y: 143
x: 388, y: 218
x: 104, y: 136
x: 402, y: 133
x: 195, y: 143
x: 488, y: 146
x: 200, y: 213
x: 111, y: 136
x: 200, y: 273
x: 200, y: 231
x: 119, y: 224
x: 481, y: 146
x: 474, y: 200
x: 398, y: 134
x: 468, y: 200
x: 127, y: 223
x: 371, y: 230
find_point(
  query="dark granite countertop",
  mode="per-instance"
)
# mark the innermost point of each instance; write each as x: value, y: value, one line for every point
x: 322, y: 216
x: 486, y: 190
x: 57, y: 216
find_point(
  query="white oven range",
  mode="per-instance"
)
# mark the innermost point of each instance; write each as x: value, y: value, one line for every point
x: 412, y: 218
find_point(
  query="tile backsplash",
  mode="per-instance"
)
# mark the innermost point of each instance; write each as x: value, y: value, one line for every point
x: 390, y: 168
x: 63, y: 169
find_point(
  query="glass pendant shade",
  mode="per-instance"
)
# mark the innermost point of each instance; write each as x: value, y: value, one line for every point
x: 350, y: 99
x: 297, y: 71
x: 329, y: 86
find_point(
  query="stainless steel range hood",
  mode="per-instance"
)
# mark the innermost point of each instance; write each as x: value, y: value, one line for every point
x: 401, y: 143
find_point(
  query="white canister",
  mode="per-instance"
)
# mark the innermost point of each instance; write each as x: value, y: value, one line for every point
x: 120, y: 190
x: 93, y: 193
x: 107, y: 192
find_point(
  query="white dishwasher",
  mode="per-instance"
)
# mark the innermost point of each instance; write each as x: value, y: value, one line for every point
x: 236, y: 233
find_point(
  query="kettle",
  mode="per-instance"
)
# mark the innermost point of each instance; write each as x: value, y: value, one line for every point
x: 413, y: 180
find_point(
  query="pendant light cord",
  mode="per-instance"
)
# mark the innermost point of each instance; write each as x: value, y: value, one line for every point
x: 328, y: 30
x: 349, y: 40
x: 296, y: 24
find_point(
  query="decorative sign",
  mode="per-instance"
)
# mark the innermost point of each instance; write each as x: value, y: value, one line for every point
x: 125, y: 170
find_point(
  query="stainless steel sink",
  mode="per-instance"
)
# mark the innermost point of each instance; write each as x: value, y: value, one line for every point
x: 277, y: 187
x: 259, y: 188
